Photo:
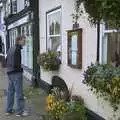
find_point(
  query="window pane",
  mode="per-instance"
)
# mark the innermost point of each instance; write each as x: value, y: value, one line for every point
x: 57, y: 27
x: 74, y: 58
x: 27, y: 3
x: 54, y: 23
x: 14, y: 6
x: 74, y: 42
x: 27, y: 30
x: 113, y: 48
x: 55, y: 43
x: 51, y: 29
x: 12, y: 36
x: 27, y: 52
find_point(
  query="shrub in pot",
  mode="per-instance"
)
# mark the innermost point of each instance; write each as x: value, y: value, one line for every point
x: 60, y: 109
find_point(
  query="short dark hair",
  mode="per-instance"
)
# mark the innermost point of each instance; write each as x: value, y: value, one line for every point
x: 19, y: 39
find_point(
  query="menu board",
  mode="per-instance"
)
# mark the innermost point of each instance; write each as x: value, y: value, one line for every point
x: 75, y: 48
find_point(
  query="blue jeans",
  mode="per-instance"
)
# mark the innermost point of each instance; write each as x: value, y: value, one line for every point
x: 15, y: 86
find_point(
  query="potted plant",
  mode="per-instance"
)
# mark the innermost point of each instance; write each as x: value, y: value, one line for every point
x: 49, y: 61
x: 55, y: 108
x: 60, y: 108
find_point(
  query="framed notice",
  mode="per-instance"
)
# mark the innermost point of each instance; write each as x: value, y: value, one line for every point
x: 75, y: 48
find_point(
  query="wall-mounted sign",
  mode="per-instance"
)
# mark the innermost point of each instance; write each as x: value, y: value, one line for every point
x: 75, y: 48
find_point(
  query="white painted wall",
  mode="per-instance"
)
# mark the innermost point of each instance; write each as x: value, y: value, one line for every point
x: 73, y: 76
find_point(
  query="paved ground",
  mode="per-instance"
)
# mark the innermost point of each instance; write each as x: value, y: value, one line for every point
x: 35, y: 113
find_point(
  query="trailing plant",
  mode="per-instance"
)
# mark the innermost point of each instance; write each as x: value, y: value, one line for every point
x: 77, y: 13
x: 104, y: 81
x: 49, y: 61
x: 102, y: 10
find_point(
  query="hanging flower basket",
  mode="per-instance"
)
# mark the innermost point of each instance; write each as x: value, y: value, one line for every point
x: 49, y: 61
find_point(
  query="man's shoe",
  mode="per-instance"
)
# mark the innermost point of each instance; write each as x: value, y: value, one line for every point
x: 24, y: 114
x: 9, y: 113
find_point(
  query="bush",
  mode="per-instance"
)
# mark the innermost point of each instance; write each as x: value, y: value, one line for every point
x: 49, y: 61
x: 104, y: 80
x: 76, y: 110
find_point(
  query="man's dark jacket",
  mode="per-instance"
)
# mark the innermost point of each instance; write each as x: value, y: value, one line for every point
x: 13, y: 60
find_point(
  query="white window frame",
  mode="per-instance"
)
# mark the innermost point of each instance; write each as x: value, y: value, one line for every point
x: 103, y: 43
x: 48, y: 36
x: 14, y: 11
x: 26, y: 3
x: 8, y: 8
x: 13, y: 33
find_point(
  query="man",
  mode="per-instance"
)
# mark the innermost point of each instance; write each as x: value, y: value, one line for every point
x: 14, y: 71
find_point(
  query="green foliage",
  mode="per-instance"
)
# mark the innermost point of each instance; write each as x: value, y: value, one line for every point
x: 76, y: 110
x: 102, y: 10
x: 78, y: 12
x: 104, y: 80
x: 33, y: 96
x: 49, y: 61
x: 59, y: 108
x: 32, y: 92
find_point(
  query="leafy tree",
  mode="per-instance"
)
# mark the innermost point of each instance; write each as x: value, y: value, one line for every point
x: 102, y: 10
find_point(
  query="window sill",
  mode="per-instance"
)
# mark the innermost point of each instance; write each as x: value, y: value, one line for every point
x: 75, y: 66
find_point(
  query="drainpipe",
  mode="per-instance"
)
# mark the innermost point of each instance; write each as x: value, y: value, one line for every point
x: 98, y: 41
x: 36, y: 69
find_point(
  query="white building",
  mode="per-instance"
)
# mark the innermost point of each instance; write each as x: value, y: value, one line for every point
x: 59, y: 12
x: 2, y: 30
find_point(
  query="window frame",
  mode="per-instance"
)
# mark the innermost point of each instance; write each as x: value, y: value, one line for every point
x: 26, y: 5
x: 13, y: 33
x: 79, y: 48
x: 103, y: 52
x: 8, y: 8
x: 14, y: 11
x: 23, y: 31
x: 50, y: 12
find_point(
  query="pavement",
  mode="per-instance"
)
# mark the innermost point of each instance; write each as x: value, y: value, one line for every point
x: 35, y: 113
